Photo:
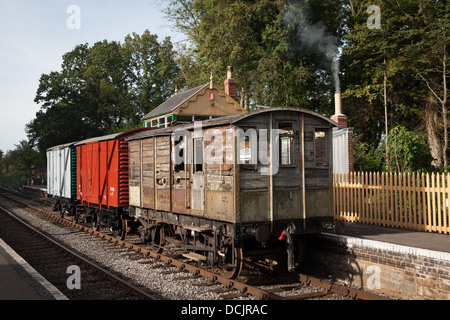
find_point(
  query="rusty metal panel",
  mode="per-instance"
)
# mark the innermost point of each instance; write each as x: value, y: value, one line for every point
x: 179, y: 200
x: 181, y: 175
x: 198, y: 191
x: 163, y: 173
x: 135, y: 196
x: 180, y: 191
x: 219, y: 170
x: 319, y: 203
x: 148, y: 171
x: 254, y: 206
x: 135, y: 173
x: 287, y: 204
x: 148, y: 197
x: 220, y: 206
x: 220, y: 180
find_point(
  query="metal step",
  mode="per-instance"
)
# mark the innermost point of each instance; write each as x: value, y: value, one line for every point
x: 194, y: 256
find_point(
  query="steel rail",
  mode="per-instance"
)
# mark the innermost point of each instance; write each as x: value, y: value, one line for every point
x: 329, y: 286
x: 332, y: 287
x: 194, y: 270
x: 120, y: 282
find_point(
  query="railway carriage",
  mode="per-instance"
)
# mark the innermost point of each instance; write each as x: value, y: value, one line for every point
x: 236, y: 186
x: 62, y: 178
x: 102, y: 181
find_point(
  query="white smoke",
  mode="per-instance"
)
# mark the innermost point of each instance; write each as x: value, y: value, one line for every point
x: 315, y: 37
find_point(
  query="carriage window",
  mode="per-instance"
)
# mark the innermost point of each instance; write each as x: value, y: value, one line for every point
x: 245, y: 150
x: 247, y: 146
x: 198, y: 155
x: 320, y: 148
x: 286, y: 143
x: 286, y: 150
x: 179, y: 154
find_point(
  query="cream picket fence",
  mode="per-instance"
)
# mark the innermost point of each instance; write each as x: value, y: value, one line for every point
x: 415, y: 201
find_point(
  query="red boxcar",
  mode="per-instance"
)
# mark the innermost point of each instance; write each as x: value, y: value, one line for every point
x: 102, y: 180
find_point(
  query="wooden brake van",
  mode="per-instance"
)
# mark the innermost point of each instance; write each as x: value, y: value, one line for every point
x: 248, y: 184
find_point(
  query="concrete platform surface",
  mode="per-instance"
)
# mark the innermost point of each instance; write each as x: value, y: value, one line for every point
x: 19, y: 281
x: 417, y: 239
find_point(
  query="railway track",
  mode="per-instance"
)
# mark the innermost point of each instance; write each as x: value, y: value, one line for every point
x: 303, y: 287
x: 53, y: 261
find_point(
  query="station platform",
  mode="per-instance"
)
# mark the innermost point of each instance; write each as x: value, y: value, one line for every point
x: 37, y: 191
x: 19, y: 281
x: 411, y: 238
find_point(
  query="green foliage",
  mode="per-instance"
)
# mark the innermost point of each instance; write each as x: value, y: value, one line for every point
x: 283, y: 52
x: 367, y: 157
x: 103, y: 89
x: 24, y: 161
x: 262, y: 40
x: 408, y: 151
x: 411, y: 49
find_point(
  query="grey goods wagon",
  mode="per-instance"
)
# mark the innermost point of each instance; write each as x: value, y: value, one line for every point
x: 246, y: 185
x: 62, y: 178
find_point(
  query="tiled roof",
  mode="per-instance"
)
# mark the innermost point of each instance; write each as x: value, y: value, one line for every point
x: 173, y: 102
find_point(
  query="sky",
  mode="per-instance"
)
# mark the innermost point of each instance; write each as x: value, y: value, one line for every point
x: 34, y: 35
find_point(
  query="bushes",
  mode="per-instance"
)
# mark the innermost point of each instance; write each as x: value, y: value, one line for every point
x: 408, y: 152
x: 18, y: 165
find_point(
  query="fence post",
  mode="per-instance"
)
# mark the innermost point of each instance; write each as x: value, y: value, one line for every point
x: 383, y: 199
x: 446, y: 210
x: 424, y: 203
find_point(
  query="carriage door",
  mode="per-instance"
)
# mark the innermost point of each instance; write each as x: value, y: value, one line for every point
x: 198, y: 177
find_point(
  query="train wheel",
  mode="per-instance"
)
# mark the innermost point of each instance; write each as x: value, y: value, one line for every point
x: 121, y: 233
x: 157, y: 238
x: 96, y: 221
x: 232, y: 270
x: 61, y: 211
x: 75, y: 217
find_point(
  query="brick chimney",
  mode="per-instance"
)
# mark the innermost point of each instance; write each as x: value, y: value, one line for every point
x: 230, y: 83
x: 338, y: 117
x: 341, y: 120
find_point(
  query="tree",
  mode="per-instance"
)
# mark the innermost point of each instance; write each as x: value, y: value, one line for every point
x: 407, y: 56
x: 103, y: 89
x: 426, y: 30
x: 263, y: 42
x: 152, y: 73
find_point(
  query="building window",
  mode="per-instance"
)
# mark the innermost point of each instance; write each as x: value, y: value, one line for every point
x: 286, y: 143
x: 320, y: 148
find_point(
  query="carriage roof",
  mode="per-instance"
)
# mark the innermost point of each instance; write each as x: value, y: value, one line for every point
x: 223, y: 120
